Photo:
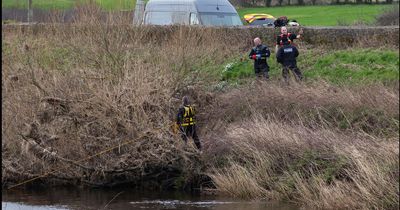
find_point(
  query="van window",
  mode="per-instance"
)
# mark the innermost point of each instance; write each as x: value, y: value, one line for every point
x: 220, y: 19
x: 193, y: 19
x: 166, y: 18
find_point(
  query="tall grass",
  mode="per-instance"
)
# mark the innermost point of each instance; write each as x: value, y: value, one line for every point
x: 81, y: 89
x: 281, y: 152
x: 389, y: 17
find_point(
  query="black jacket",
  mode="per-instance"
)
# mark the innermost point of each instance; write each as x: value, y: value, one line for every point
x: 287, y: 55
x: 281, y: 39
x: 263, y: 53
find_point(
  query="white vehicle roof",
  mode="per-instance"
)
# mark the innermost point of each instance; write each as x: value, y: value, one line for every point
x: 222, y: 6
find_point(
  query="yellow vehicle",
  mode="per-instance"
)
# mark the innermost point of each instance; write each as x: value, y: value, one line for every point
x: 259, y: 19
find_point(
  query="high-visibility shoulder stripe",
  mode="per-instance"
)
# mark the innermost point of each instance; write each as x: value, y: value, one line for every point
x: 188, y: 116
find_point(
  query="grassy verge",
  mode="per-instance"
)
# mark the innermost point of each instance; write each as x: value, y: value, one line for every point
x: 329, y: 15
x: 340, y: 67
x: 69, y: 4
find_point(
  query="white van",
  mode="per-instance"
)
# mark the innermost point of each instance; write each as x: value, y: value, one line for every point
x: 191, y: 12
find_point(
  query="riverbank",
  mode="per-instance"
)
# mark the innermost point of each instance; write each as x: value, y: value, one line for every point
x: 71, y: 93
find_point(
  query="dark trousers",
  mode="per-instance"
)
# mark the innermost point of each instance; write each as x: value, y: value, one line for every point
x: 261, y: 70
x: 296, y: 72
x: 190, y: 131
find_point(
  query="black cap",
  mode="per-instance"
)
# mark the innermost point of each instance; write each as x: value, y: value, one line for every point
x: 185, y: 100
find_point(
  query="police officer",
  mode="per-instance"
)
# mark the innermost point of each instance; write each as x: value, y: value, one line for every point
x: 286, y: 37
x: 186, y: 122
x: 286, y: 56
x: 259, y: 54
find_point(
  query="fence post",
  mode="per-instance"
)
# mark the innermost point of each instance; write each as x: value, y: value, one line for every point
x: 30, y: 11
x: 138, y: 12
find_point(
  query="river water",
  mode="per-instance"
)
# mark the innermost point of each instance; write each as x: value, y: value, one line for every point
x: 87, y: 199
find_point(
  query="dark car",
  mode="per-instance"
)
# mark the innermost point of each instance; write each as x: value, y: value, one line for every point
x: 260, y: 19
x: 263, y: 22
x: 268, y: 20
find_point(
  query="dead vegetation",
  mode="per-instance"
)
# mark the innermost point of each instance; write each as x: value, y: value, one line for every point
x: 80, y: 91
x: 320, y: 168
x: 308, y: 143
x: 389, y: 17
x: 71, y: 92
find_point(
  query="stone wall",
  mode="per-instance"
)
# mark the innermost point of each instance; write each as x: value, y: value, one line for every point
x: 333, y: 37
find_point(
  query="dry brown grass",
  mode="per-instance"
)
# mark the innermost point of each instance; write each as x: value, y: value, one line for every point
x: 78, y: 90
x: 286, y: 143
x: 317, y: 168
x: 389, y: 17
x: 372, y: 109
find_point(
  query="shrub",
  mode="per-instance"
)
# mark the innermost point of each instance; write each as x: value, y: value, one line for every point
x: 389, y: 17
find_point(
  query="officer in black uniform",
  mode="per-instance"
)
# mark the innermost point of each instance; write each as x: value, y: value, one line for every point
x: 186, y: 122
x: 286, y: 56
x: 259, y: 54
x: 285, y: 36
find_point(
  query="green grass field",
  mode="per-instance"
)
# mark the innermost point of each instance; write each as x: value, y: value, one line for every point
x: 67, y: 4
x: 339, y: 67
x: 328, y: 15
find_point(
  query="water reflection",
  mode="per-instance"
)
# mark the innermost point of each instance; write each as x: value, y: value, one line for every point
x: 66, y: 198
x: 11, y: 206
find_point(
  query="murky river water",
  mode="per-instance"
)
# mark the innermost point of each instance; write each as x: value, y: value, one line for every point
x: 65, y: 198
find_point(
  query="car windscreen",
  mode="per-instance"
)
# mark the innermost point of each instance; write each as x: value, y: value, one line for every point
x: 166, y: 18
x: 220, y: 19
x: 260, y: 22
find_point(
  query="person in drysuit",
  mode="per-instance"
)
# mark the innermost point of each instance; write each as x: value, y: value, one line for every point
x: 186, y: 122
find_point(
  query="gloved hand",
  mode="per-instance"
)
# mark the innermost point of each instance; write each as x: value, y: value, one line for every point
x: 175, y: 128
x: 258, y: 56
